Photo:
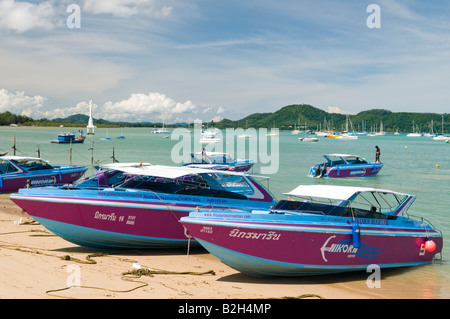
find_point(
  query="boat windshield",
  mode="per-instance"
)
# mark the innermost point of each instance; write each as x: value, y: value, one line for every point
x: 197, y: 185
x: 381, y: 202
x: 356, y: 160
x: 6, y: 167
x: 212, y: 158
x: 341, y: 160
x: 298, y: 207
x: 370, y: 204
x: 32, y: 164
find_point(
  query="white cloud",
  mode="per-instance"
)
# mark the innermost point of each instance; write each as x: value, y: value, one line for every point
x: 19, y: 103
x: 334, y: 109
x: 144, y: 107
x: 126, y: 8
x: 25, y: 16
x: 137, y: 108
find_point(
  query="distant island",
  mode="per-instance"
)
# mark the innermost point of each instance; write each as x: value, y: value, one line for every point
x: 297, y: 116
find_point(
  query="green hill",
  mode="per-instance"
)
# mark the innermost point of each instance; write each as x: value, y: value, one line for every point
x: 290, y: 116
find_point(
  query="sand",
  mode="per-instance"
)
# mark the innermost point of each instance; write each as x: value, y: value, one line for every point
x: 36, y: 264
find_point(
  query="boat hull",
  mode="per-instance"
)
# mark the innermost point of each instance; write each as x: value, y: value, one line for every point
x: 112, y: 219
x: 57, y: 176
x: 271, y: 245
x: 241, y: 167
x: 346, y: 171
x: 74, y: 141
x: 354, y: 171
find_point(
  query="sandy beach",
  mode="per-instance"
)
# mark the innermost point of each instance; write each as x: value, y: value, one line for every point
x: 36, y: 264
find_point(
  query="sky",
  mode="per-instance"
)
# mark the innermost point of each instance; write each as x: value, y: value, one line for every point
x: 181, y: 60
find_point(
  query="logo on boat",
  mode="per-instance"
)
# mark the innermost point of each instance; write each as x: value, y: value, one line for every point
x: 346, y: 247
x: 43, y: 181
x: 358, y: 172
x: 254, y: 235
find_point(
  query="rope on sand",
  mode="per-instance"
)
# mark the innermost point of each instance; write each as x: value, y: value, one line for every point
x: 147, y: 272
x: 49, y: 292
x: 137, y: 273
x: 305, y: 296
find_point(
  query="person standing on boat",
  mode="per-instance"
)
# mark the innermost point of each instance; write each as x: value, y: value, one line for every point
x: 377, y: 154
x: 203, y: 156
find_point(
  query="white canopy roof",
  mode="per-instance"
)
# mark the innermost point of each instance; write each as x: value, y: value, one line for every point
x: 343, y: 155
x: 162, y: 170
x: 333, y: 192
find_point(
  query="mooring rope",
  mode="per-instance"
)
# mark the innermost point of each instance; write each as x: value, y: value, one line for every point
x: 148, y: 272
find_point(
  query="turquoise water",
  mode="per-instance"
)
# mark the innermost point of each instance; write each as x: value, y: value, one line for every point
x: 410, y: 167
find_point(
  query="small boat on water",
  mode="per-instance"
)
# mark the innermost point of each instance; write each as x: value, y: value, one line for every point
x: 209, y: 136
x: 308, y: 139
x: 325, y: 230
x: 345, y: 165
x: 138, y: 206
x: 220, y: 161
x: 161, y: 131
x: 16, y: 171
x: 66, y: 138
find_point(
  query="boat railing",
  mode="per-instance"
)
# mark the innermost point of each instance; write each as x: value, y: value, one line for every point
x: 425, y: 221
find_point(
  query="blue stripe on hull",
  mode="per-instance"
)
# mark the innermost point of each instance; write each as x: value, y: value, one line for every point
x: 260, y: 267
x: 99, y: 239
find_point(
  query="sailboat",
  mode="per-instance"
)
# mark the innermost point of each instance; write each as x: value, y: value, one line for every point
x: 381, y: 132
x: 107, y: 138
x: 347, y: 135
x: 414, y: 133
x: 442, y: 137
x: 161, y: 130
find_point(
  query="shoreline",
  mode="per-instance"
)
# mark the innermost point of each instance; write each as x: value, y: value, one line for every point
x: 37, y: 264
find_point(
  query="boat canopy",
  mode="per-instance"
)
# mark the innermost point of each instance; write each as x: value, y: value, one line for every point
x: 163, y: 171
x: 346, y: 157
x: 23, y: 158
x: 335, y: 192
x: 381, y: 200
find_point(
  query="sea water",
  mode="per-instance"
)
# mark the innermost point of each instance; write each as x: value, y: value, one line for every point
x: 413, y: 165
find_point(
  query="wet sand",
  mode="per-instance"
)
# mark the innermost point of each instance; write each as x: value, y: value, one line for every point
x: 35, y: 264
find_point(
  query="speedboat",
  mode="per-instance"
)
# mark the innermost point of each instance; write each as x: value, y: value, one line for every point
x: 308, y: 139
x: 66, y: 138
x: 21, y: 171
x: 325, y: 230
x: 345, y: 165
x: 220, y: 161
x: 442, y: 138
x: 347, y: 136
x: 144, y: 210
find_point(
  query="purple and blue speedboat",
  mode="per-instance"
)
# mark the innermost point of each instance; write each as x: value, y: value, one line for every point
x: 344, y: 165
x: 327, y: 229
x: 20, y: 171
x: 138, y: 206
